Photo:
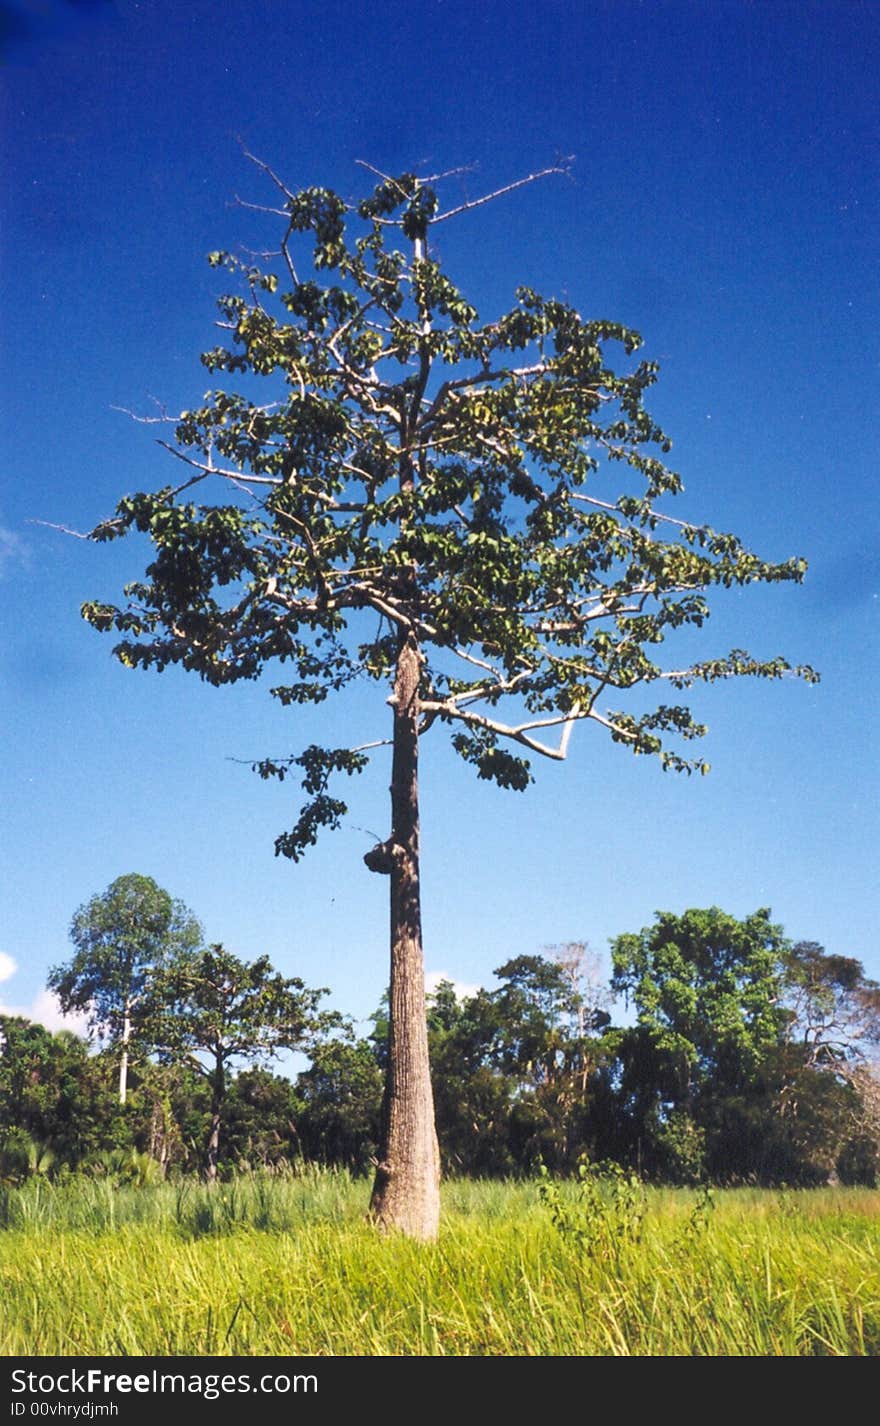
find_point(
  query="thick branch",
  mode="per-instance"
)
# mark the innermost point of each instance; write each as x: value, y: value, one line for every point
x: 518, y: 734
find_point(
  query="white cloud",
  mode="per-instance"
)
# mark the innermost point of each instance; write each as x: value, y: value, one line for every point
x: 463, y: 989
x: 44, y: 1007
x: 46, y: 1011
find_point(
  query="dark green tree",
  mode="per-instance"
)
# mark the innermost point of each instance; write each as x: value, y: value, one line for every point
x: 341, y: 1104
x: 424, y: 498
x: 170, y: 1110
x: 472, y: 1093
x: 261, y: 1127
x: 548, y: 1044
x: 122, y: 937
x: 210, y: 1010
x: 707, y: 989
x: 55, y: 1096
x: 514, y: 1068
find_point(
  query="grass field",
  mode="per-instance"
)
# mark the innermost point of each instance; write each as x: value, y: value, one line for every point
x: 288, y: 1266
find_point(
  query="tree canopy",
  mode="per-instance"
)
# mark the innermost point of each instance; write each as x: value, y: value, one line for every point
x: 211, y: 1009
x: 122, y: 937
x: 706, y: 986
x: 444, y: 474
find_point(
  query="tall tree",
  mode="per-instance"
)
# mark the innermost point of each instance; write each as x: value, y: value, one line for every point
x: 122, y: 937
x: 212, y: 1009
x: 424, y: 500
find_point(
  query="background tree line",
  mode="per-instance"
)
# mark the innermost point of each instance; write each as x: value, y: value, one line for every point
x: 747, y: 1058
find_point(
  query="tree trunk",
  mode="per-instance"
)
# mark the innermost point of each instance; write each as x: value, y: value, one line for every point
x: 406, y: 1192
x: 123, y: 1063
x: 218, y: 1094
x: 159, y: 1135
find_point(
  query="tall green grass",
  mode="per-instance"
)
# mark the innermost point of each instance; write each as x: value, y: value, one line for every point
x: 289, y: 1266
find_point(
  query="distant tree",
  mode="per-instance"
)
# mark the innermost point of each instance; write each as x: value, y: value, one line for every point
x: 827, y: 1089
x: 472, y: 1093
x: 582, y: 968
x: 55, y: 1094
x: 262, y: 1117
x: 514, y: 1067
x: 834, y: 1005
x: 210, y: 1010
x: 550, y: 1027
x: 170, y: 1109
x: 543, y: 1018
x: 425, y: 500
x: 707, y: 990
x: 341, y: 1104
x: 859, y: 1158
x: 122, y: 936
x: 707, y: 986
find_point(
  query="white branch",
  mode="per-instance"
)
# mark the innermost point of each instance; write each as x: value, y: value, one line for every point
x: 520, y: 733
x: 654, y: 515
x: 239, y: 477
x: 561, y: 168
x: 612, y: 727
x: 66, y: 530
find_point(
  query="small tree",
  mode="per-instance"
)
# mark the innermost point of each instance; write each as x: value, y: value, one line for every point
x: 211, y: 1009
x: 424, y: 501
x: 122, y: 937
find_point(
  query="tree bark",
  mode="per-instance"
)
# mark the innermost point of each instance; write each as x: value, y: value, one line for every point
x: 406, y: 1192
x: 123, y: 1062
x: 218, y: 1094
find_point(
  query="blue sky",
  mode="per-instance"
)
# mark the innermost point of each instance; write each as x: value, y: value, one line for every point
x: 724, y: 202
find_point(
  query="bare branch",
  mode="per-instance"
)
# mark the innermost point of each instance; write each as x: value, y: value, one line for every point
x: 564, y: 167
x: 66, y: 530
x: 259, y: 208
x: 258, y: 162
x: 163, y: 420
x: 611, y: 726
x: 450, y: 173
x: 386, y: 177
x: 285, y: 250
x: 238, y: 477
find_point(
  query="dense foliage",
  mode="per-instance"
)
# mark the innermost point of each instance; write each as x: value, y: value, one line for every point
x: 747, y: 1060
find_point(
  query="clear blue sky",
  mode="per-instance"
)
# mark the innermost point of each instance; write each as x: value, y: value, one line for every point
x: 725, y: 202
